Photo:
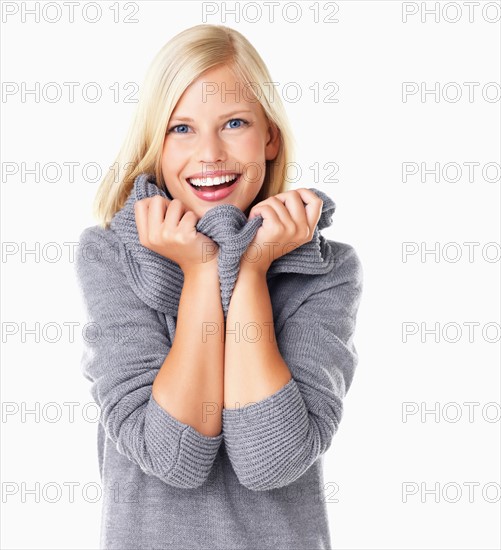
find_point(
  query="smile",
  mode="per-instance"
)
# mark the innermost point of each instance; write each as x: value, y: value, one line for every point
x: 214, y: 188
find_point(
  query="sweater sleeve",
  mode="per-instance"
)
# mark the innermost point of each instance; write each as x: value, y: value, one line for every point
x: 272, y: 442
x: 125, y: 344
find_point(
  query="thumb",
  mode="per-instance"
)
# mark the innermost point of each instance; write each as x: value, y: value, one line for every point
x: 253, y: 213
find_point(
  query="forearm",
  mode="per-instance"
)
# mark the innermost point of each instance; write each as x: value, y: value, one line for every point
x: 253, y: 365
x: 189, y: 385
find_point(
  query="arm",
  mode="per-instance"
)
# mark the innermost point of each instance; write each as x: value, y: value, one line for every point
x: 275, y: 439
x: 254, y: 368
x: 126, y: 346
x: 189, y: 384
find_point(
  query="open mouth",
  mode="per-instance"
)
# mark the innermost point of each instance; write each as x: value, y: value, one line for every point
x: 212, y: 184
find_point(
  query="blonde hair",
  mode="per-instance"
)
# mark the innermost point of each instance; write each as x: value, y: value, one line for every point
x: 181, y: 61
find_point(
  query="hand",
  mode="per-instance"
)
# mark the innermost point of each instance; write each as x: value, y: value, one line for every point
x: 168, y: 228
x: 287, y: 224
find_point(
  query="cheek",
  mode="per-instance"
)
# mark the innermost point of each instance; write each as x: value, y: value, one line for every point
x: 254, y: 175
x: 172, y: 150
x: 253, y: 144
x: 172, y: 159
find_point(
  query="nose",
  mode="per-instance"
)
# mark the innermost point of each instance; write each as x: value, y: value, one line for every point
x: 210, y: 149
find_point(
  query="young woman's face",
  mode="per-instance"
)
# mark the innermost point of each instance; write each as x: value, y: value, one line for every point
x: 228, y: 132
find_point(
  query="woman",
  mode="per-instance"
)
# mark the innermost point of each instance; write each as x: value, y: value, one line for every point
x: 223, y: 321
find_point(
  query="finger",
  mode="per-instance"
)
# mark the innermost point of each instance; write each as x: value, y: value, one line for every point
x: 156, y: 212
x: 282, y: 213
x: 175, y: 211
x: 188, y: 221
x: 313, y: 206
x: 141, y: 215
x: 266, y: 211
x: 296, y: 209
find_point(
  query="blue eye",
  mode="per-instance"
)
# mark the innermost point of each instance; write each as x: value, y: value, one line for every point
x: 178, y: 126
x: 237, y: 119
x: 171, y: 130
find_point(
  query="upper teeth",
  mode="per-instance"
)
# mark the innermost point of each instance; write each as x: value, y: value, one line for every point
x: 218, y: 180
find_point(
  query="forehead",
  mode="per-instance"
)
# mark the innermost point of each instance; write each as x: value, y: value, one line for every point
x: 218, y: 89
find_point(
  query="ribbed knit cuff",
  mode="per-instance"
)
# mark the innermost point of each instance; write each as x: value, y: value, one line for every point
x: 263, y: 438
x: 190, y: 453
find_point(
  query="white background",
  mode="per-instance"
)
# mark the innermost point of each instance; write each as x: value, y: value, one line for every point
x: 370, y: 132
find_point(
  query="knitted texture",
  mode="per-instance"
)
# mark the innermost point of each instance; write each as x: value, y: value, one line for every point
x: 229, y: 228
x: 259, y: 484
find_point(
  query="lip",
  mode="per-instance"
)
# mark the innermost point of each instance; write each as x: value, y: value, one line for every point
x: 218, y: 194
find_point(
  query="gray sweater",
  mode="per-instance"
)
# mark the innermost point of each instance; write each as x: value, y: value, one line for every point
x: 259, y: 484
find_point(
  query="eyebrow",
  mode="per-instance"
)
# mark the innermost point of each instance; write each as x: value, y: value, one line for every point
x: 188, y: 119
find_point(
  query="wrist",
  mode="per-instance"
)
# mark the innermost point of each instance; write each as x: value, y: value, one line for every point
x: 205, y: 269
x: 256, y: 268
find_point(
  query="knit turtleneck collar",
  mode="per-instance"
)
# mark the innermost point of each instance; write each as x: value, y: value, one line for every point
x: 158, y: 281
